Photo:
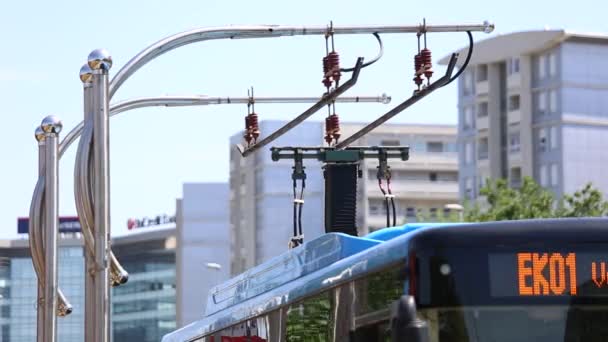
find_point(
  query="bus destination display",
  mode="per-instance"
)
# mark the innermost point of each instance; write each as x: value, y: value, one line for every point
x: 548, y: 274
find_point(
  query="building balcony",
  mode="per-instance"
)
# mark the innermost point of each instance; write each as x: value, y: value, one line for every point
x: 419, y: 190
x: 514, y: 116
x: 440, y: 161
x: 514, y: 81
x: 514, y: 155
x: 482, y: 87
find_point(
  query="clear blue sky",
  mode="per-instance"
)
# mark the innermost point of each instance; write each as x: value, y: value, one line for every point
x: 154, y: 151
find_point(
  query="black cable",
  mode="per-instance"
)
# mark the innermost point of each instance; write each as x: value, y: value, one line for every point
x: 380, y: 54
x: 295, y: 208
x: 388, y: 188
x: 388, y: 212
x: 300, y: 211
x: 466, y: 61
x: 394, y: 212
x: 388, y: 215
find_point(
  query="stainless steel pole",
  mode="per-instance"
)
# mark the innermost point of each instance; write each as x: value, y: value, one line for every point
x: 40, y: 298
x: 51, y: 126
x: 86, y: 76
x: 100, y: 62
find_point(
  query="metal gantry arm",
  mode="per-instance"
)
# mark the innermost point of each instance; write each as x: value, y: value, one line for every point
x: 267, y: 31
x: 203, y: 100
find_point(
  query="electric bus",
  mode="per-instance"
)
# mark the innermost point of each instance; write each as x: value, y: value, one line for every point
x: 529, y: 280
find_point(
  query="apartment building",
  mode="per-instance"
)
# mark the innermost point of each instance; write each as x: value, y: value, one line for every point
x: 535, y: 104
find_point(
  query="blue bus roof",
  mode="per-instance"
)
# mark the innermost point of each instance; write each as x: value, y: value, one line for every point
x: 296, y: 263
x: 316, y: 264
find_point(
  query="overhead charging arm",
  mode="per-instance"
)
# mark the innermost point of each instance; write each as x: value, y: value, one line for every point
x: 443, y: 81
x: 325, y: 100
x: 403, y: 106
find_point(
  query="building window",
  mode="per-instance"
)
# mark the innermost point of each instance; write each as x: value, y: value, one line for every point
x: 468, y: 153
x: 482, y: 72
x: 482, y: 109
x: 541, y: 102
x: 542, y: 140
x: 552, y: 64
x: 554, y: 179
x: 468, y: 117
x: 513, y: 102
x: 482, y: 183
x: 468, y: 82
x: 516, y: 177
x: 553, y: 137
x: 433, y: 176
x: 541, y: 67
x: 410, y: 212
x: 433, y: 212
x: 553, y: 101
x: 374, y: 209
x: 468, y: 187
x: 543, y: 175
x: 434, y: 146
x: 514, y: 142
x: 513, y: 66
x: 483, y: 149
x: 390, y: 142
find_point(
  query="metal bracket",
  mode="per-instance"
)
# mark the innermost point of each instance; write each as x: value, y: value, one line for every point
x: 325, y: 100
x: 348, y: 155
x: 298, y: 168
x: 403, y: 106
x: 384, y: 171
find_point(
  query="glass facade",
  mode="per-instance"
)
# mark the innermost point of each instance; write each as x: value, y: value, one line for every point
x: 18, y: 287
x: 142, y: 310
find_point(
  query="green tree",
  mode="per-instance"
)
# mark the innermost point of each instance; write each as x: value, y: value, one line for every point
x: 585, y: 202
x: 533, y: 201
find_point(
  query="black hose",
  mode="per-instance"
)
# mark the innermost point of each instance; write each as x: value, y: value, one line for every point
x: 388, y: 212
x: 295, y: 206
x: 380, y: 54
x: 300, y: 211
x: 466, y: 61
x: 394, y: 212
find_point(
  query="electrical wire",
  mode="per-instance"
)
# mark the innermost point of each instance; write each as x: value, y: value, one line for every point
x: 380, y: 54
x: 466, y: 61
x: 386, y: 206
x: 300, y: 230
x: 295, y: 210
x: 388, y: 187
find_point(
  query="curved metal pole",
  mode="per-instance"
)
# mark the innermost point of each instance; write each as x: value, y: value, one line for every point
x: 246, y: 32
x: 51, y: 126
x: 202, y: 100
x: 33, y: 241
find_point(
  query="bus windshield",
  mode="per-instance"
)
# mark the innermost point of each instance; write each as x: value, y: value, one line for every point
x: 519, y: 323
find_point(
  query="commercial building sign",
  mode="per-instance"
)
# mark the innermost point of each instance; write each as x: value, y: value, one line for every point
x: 67, y: 224
x: 149, y: 222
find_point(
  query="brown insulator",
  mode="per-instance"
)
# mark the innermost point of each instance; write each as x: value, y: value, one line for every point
x: 247, y: 135
x: 334, y: 65
x: 254, y: 127
x: 417, y: 64
x: 326, y: 73
x: 328, y: 131
x: 335, y: 125
x: 427, y: 62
